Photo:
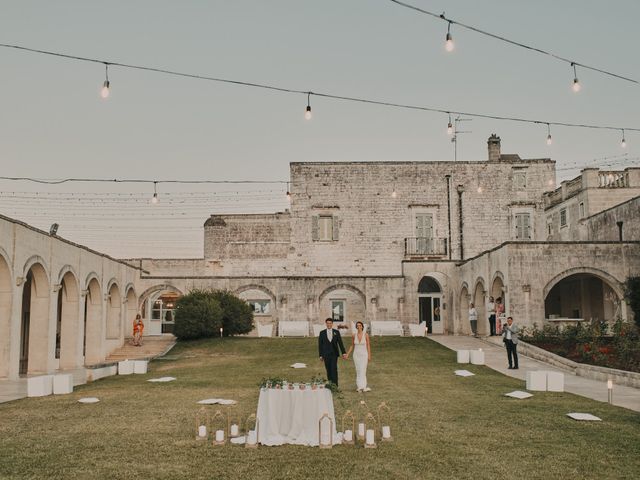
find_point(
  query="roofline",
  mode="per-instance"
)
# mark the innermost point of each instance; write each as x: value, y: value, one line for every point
x: 427, y: 162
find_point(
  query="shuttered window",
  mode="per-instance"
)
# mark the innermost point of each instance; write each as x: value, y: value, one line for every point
x: 324, y: 228
x: 523, y: 226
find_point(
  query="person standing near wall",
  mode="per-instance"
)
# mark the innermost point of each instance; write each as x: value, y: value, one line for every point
x: 491, y: 308
x: 473, y: 319
x: 499, y: 315
x: 510, y: 339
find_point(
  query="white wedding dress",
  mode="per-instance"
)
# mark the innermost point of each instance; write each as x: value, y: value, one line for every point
x: 360, y: 359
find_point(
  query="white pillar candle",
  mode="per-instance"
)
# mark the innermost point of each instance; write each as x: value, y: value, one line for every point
x: 361, y: 430
x: 202, y: 431
x: 386, y: 431
x: 234, y: 430
x: 252, y: 437
x: 348, y: 436
x: 219, y: 435
x: 370, y: 437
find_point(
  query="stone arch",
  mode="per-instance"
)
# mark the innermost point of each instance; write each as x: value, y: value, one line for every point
x: 67, y: 269
x: 90, y: 277
x: 157, y: 288
x: 157, y: 320
x: 67, y: 320
x: 479, y: 297
x: 92, y: 341
x: 131, y: 302
x: 587, y: 293
x: 261, y: 288
x: 34, y: 330
x: 114, y: 310
x: 343, y: 286
x: 6, y: 297
x: 429, y: 284
x: 464, y: 326
x: 498, y: 293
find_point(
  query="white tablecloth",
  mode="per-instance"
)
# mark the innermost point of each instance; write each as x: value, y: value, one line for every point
x: 291, y: 416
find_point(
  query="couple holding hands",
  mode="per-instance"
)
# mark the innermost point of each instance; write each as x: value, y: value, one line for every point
x: 330, y: 347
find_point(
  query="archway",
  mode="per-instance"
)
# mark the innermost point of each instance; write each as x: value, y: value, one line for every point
x: 583, y: 296
x: 5, y: 316
x: 67, y: 325
x: 345, y: 304
x: 92, y: 342
x: 131, y: 311
x: 497, y: 292
x: 464, y: 326
x: 430, y: 304
x: 114, y: 312
x: 479, y: 296
x: 157, y: 305
x: 262, y: 301
x: 34, y: 330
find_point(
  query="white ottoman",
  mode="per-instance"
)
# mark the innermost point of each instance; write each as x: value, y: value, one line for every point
x: 476, y: 357
x: 463, y: 356
x: 125, y: 367
x: 62, y: 384
x: 536, y: 380
x: 40, y: 386
x: 555, y: 381
x: 140, y: 366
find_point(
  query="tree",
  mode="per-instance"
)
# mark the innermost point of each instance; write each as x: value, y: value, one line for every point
x: 197, y: 315
x: 632, y: 295
x: 237, y: 315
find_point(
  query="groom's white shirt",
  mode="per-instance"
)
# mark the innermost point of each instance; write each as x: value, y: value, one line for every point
x: 330, y: 334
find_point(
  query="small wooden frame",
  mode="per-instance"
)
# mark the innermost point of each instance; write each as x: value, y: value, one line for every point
x: 349, y: 422
x: 322, y: 422
x: 202, y: 420
x: 252, y: 421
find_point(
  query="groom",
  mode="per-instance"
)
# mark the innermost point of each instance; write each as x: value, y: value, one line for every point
x: 329, y: 346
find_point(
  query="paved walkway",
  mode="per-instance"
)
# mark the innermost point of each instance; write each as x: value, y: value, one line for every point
x: 495, y: 357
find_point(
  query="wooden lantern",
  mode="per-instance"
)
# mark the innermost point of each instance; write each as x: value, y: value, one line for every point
x: 203, y: 424
x: 361, y: 416
x: 348, y: 425
x: 252, y: 430
x: 325, y: 437
x: 384, y: 421
x: 219, y: 428
x: 370, y: 435
x: 233, y: 422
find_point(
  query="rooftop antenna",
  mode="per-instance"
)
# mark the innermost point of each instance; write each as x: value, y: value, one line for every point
x: 456, y: 131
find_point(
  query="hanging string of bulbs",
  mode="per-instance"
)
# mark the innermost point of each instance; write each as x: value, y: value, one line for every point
x: 106, y: 87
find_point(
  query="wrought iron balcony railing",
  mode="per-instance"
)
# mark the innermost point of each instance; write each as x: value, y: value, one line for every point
x: 425, y: 247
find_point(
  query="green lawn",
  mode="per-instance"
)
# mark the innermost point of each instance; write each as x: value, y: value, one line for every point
x: 444, y: 426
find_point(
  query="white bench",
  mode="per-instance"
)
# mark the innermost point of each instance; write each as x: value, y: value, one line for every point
x: 40, y: 386
x: 62, y: 384
x: 418, y: 330
x: 536, y: 381
x: 293, y: 329
x: 476, y: 357
x: 265, y: 330
x: 389, y: 327
x: 555, y: 381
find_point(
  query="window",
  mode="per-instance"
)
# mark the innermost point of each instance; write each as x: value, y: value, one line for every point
x: 260, y: 307
x: 581, y: 209
x: 523, y: 226
x: 563, y: 217
x: 519, y: 180
x: 324, y: 228
x: 337, y: 310
x: 424, y: 233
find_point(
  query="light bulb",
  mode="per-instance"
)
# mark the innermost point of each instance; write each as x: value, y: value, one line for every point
x: 479, y: 189
x: 549, y: 141
x: 449, y: 129
x: 104, y: 93
x: 307, y: 113
x: 449, y: 45
x: 155, y: 199
x: 576, y: 85
x: 623, y: 143
x: 394, y: 194
x: 288, y: 195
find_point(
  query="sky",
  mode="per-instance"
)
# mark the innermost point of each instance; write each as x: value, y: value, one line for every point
x: 53, y: 123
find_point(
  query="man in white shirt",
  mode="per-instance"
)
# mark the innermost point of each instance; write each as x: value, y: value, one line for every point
x: 473, y: 319
x: 510, y: 339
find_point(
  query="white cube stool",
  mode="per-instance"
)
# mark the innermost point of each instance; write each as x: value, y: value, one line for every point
x: 125, y: 367
x: 140, y: 366
x: 476, y: 357
x: 62, y: 384
x: 536, y: 380
x: 555, y: 381
x: 40, y: 386
x: 463, y: 356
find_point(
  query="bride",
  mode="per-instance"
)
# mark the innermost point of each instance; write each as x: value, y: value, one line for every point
x: 361, y: 356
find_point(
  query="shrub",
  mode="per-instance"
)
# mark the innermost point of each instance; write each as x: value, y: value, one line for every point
x: 197, y: 315
x: 632, y: 295
x: 237, y: 315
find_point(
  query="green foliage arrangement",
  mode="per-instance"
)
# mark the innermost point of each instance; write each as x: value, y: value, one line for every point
x: 237, y: 315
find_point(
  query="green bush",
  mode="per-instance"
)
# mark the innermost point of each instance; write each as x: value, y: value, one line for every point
x: 197, y: 315
x: 237, y: 315
x: 632, y: 295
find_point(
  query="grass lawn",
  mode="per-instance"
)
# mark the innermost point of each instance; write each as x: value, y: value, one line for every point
x: 444, y: 426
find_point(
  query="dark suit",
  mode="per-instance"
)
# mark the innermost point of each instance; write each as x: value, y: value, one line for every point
x: 330, y: 351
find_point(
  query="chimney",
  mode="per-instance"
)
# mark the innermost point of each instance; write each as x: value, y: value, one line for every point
x: 494, y: 148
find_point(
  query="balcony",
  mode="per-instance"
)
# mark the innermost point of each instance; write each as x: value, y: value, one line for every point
x: 421, y: 247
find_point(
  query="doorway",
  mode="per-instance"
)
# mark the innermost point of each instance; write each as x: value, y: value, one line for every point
x: 430, y: 305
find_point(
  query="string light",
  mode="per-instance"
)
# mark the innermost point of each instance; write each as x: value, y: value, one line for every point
x: 448, y: 44
x: 549, y: 141
x: 307, y: 113
x: 449, y: 126
x: 288, y: 192
x: 394, y: 194
x: 104, y: 93
x: 623, y: 142
x: 154, y: 199
x: 576, y: 87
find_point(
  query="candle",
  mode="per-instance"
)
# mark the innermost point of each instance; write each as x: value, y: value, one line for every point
x: 219, y: 435
x: 361, y: 430
x: 252, y: 438
x: 386, y: 431
x: 348, y: 436
x: 234, y: 430
x: 370, y: 437
x: 202, y: 431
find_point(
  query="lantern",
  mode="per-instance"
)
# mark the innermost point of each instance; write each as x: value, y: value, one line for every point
x: 219, y: 428
x: 325, y: 431
x: 233, y: 422
x: 370, y: 435
x: 203, y: 424
x: 363, y: 410
x: 348, y: 428
x: 252, y: 429
x: 384, y: 420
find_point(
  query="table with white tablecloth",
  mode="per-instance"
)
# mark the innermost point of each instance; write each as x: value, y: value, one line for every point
x: 291, y: 416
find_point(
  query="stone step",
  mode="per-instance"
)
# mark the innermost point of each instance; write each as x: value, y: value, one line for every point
x: 150, y: 348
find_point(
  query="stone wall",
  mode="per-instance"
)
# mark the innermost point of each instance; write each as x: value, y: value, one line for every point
x: 603, y: 226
